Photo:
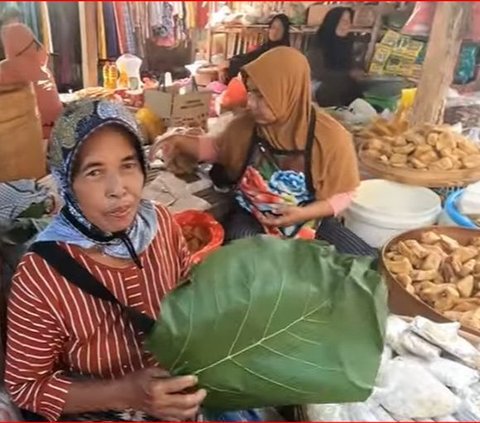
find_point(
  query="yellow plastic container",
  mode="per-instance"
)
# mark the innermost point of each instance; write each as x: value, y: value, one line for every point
x: 408, y: 97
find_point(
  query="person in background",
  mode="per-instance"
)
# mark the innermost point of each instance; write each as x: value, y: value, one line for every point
x: 10, y: 14
x: 85, y: 357
x: 25, y: 209
x: 292, y: 166
x: 26, y: 61
x: 331, y: 60
x: 278, y: 35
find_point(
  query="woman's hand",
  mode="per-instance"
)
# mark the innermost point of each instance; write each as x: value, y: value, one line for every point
x: 284, y: 216
x: 175, y: 145
x: 291, y: 215
x: 155, y: 392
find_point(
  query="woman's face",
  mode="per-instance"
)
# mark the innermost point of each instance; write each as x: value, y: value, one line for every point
x: 261, y: 111
x: 108, y: 180
x: 276, y: 30
x: 344, y: 24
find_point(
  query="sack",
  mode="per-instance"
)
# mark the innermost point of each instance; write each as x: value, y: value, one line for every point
x: 186, y: 110
x: 22, y: 154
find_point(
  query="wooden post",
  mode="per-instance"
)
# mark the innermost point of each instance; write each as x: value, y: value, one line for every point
x: 88, y: 36
x: 449, y: 26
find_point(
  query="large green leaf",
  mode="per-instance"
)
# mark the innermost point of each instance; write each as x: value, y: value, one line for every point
x: 271, y: 322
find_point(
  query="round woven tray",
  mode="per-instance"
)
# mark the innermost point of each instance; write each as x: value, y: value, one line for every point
x: 424, y: 178
x: 403, y: 303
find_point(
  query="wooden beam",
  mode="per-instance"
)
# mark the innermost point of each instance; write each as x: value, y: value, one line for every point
x: 88, y: 36
x: 449, y: 26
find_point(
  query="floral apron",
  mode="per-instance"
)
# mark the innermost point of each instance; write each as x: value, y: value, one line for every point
x: 273, y: 177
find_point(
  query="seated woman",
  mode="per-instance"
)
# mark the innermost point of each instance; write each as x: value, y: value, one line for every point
x: 70, y: 353
x: 292, y: 165
x: 331, y: 60
x: 278, y: 35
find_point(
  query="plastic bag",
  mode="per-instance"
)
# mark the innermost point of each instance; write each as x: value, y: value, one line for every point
x: 195, y: 221
x: 465, y: 70
x: 8, y: 411
x: 450, y: 373
x: 445, y: 335
x: 404, y: 342
x: 327, y: 413
x: 395, y: 328
x: 408, y: 390
x: 235, y: 95
x: 420, y: 21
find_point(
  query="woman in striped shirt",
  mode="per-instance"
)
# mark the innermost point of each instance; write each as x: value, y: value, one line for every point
x: 70, y: 353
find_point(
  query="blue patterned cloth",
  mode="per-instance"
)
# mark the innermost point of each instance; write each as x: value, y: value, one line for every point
x: 78, y: 122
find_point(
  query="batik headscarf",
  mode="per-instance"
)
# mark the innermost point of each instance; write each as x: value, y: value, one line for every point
x: 79, y: 121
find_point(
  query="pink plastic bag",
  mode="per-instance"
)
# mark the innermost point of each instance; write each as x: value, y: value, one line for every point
x: 420, y: 21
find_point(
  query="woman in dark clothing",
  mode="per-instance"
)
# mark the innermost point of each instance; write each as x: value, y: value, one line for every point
x: 278, y: 35
x: 331, y: 60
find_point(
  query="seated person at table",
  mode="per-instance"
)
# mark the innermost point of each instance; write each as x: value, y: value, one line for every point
x: 293, y: 166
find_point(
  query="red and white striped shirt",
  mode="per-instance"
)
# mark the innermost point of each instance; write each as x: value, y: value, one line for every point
x: 54, y: 327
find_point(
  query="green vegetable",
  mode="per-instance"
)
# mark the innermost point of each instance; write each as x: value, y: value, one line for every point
x: 267, y: 322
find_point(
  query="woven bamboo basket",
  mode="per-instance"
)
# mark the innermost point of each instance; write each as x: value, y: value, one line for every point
x: 424, y: 178
x: 403, y: 303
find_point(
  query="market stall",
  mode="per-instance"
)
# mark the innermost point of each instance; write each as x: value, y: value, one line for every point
x: 419, y: 175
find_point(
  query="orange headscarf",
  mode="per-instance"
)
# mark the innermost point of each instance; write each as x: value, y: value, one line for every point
x: 26, y: 61
x: 282, y: 76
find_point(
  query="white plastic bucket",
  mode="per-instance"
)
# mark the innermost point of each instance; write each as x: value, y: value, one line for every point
x: 383, y: 209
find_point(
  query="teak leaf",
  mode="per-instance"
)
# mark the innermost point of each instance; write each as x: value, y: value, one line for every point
x: 268, y: 322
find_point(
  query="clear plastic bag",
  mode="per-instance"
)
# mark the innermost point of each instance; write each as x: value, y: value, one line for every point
x: 327, y: 413
x: 8, y: 411
x: 405, y: 342
x: 445, y: 336
x: 396, y: 326
x: 450, y: 373
x: 408, y: 390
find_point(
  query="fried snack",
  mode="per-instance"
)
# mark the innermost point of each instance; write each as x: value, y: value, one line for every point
x: 196, y: 237
x: 440, y: 271
x: 426, y: 147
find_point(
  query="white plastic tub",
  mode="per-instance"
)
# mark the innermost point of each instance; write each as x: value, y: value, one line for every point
x: 384, y: 209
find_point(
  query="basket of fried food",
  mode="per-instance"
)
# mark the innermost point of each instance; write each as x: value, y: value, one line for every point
x: 201, y: 231
x: 435, y: 272
x: 427, y: 155
x: 95, y: 93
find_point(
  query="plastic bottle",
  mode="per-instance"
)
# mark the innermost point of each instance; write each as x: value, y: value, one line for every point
x: 113, y: 74
x: 105, y: 75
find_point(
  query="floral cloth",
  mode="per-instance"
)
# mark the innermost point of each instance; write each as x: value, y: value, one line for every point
x: 265, y: 186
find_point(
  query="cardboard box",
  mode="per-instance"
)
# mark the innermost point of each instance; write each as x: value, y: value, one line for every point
x: 399, y: 65
x: 177, y: 110
x: 391, y: 38
x: 381, y: 54
x: 408, y: 47
x: 376, y: 68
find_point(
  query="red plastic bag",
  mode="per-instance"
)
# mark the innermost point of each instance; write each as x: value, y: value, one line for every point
x: 475, y: 26
x: 202, y: 222
x: 235, y: 95
x: 421, y: 19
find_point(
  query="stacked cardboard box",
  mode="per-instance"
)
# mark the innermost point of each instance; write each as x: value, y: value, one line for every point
x: 398, y: 55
